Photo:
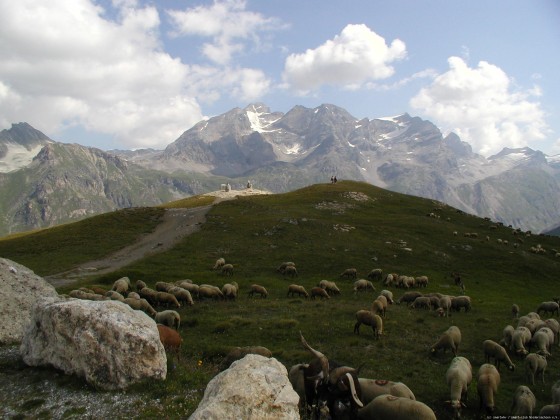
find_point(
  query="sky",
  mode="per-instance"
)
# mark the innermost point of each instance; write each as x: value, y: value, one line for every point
x: 129, y: 74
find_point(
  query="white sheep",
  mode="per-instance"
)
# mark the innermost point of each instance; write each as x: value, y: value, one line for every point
x: 230, y: 290
x: 372, y: 388
x: 422, y: 302
x: 449, y: 339
x: 259, y: 290
x: 408, y: 297
x: 389, y: 295
x: 291, y: 271
x: 445, y: 304
x: 543, y: 340
x: 421, y: 281
x: 122, y: 285
x: 363, y: 285
x: 350, y: 273
x: 507, y: 335
x: 111, y: 294
x: 375, y: 274
x: 458, y: 378
x: 515, y: 310
x: 535, y: 364
x: 227, y: 270
x: 133, y: 295
x: 524, y: 402
x: 396, y: 408
x: 369, y: 318
x: 547, y: 307
x: 297, y: 289
x: 554, y: 325
x: 487, y: 386
x: 534, y: 325
x: 494, y: 350
x: 140, y: 305
x: 521, y: 336
x: 219, y: 263
x: 169, y: 318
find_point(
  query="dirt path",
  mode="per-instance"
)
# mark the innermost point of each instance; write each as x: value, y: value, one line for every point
x: 175, y: 225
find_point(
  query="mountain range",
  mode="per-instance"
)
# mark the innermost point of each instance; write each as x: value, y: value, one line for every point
x: 44, y: 183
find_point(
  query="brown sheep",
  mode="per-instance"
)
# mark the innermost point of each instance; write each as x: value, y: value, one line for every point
x: 170, y: 339
x: 318, y: 291
x: 349, y: 273
x: 296, y: 288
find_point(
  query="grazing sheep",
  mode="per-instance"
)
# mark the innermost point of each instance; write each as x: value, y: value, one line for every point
x: 296, y: 288
x: 297, y: 379
x: 375, y: 274
x: 445, y: 304
x: 319, y: 292
x: 188, y: 285
x: 421, y: 281
x: 458, y: 302
x: 524, y: 402
x: 140, y: 285
x: 182, y: 295
x: 494, y: 350
x: 349, y: 273
x: 515, y: 310
x: 363, y: 285
x: 170, y: 339
x: 163, y: 286
x: 98, y: 290
x: 422, y: 302
x: 149, y: 294
x: 371, y: 319
x: 210, y: 292
x: 111, y: 294
x: 533, y: 315
x: 133, y: 295
x: 378, y: 308
x: 283, y: 266
x: 547, y: 307
x: 389, y: 407
x: 220, y: 262
x: 227, y: 270
x: 487, y: 387
x: 408, y: 297
x: 542, y: 340
x: 330, y: 287
x: 389, y: 295
x: 169, y: 318
x: 167, y: 299
x: 555, y: 392
x: 121, y: 285
x: 80, y: 294
x: 449, y: 339
x: 507, y: 336
x: 555, y: 327
x: 372, y: 388
x: 458, y: 378
x: 238, y: 353
x: 534, y: 325
x: 291, y: 271
x: 535, y: 364
x: 259, y: 290
x: 141, y: 305
x: 384, y: 302
x: 229, y: 290
x: 521, y: 336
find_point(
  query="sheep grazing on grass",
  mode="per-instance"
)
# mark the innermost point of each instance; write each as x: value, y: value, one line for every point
x: 381, y: 304
x: 183, y: 296
x: 389, y: 295
x: 140, y: 285
x: 521, y: 336
x: 460, y: 302
x: 149, y: 294
x: 498, y: 353
x: 291, y: 271
x: 227, y: 270
x: 80, y: 294
x: 207, y: 291
x: 369, y: 318
x: 190, y: 286
x: 238, y: 353
x: 396, y: 408
x: 535, y: 364
x: 372, y: 388
x: 349, y: 273
x: 330, y: 287
x: 363, y: 285
x: 524, y: 402
x: 163, y: 286
x: 294, y: 289
x: 133, y: 295
x: 408, y: 297
x: 170, y: 339
x: 487, y: 387
x: 445, y: 304
x: 547, y: 307
x: 167, y: 299
x: 375, y: 274
x: 507, y: 336
x: 220, y: 262
x: 259, y: 290
x: 555, y: 327
x: 449, y: 339
x: 98, y: 290
x: 230, y: 290
x: 421, y: 281
x: 169, y: 318
x: 141, y: 305
x: 515, y: 310
x: 422, y: 302
x: 543, y: 340
x: 283, y: 266
x: 319, y: 292
x: 111, y: 294
x: 458, y: 378
x: 122, y: 286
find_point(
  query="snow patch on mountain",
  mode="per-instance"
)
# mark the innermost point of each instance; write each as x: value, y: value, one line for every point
x: 259, y: 124
x: 17, y: 157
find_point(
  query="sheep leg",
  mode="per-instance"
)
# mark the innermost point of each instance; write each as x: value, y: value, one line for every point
x: 357, y: 327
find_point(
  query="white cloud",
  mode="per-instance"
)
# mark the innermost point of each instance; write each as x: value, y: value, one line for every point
x: 227, y: 23
x: 355, y: 56
x: 482, y: 107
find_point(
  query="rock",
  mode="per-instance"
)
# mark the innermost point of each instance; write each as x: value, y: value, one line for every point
x: 20, y: 288
x: 254, y: 387
x: 107, y: 342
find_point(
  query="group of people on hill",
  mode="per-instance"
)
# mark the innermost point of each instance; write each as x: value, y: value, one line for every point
x: 333, y: 179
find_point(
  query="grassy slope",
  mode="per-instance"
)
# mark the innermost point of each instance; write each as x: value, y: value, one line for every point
x: 257, y: 233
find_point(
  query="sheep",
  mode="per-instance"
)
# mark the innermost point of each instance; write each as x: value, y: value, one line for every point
x: 487, y: 386
x: 283, y: 266
x: 554, y: 325
x: 170, y: 339
x: 227, y: 270
x: 547, y: 307
x: 140, y: 285
x: 238, y: 353
x: 167, y: 299
x: 422, y: 302
x: 408, y: 297
x: 375, y: 274
x: 229, y: 290
x: 259, y: 290
x: 494, y: 350
x: 121, y: 285
x: 350, y: 273
x: 187, y: 285
x: 372, y: 388
x: 296, y: 288
x: 319, y: 292
x: 149, y: 294
x: 534, y: 325
x: 133, y: 295
x: 543, y: 340
x: 210, y: 292
x: 507, y: 336
x: 535, y: 364
x: 140, y: 305
x: 555, y: 392
x: 378, y: 308
x: 434, y: 301
x: 458, y: 302
x: 296, y: 378
x: 80, y: 294
x: 220, y: 262
x: 169, y: 318
x: 524, y: 402
x: 182, y: 295
x: 421, y: 281
x: 396, y: 408
x: 330, y: 287
x: 520, y: 337
x: 290, y: 271
x: 163, y: 286
x: 449, y: 339
x: 458, y: 378
x: 445, y: 304
x: 515, y: 310
x: 533, y: 315
x: 85, y: 289
x: 111, y: 294
x: 389, y: 295
x: 98, y: 290
x: 363, y: 285
x: 369, y: 318
x: 384, y: 303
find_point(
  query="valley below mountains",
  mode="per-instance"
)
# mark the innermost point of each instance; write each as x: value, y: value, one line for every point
x: 44, y: 183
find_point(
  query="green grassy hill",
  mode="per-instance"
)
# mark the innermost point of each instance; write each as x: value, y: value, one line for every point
x: 325, y: 229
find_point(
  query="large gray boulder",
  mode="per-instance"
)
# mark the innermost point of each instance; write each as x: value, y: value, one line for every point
x: 254, y: 387
x: 20, y: 288
x: 107, y: 342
